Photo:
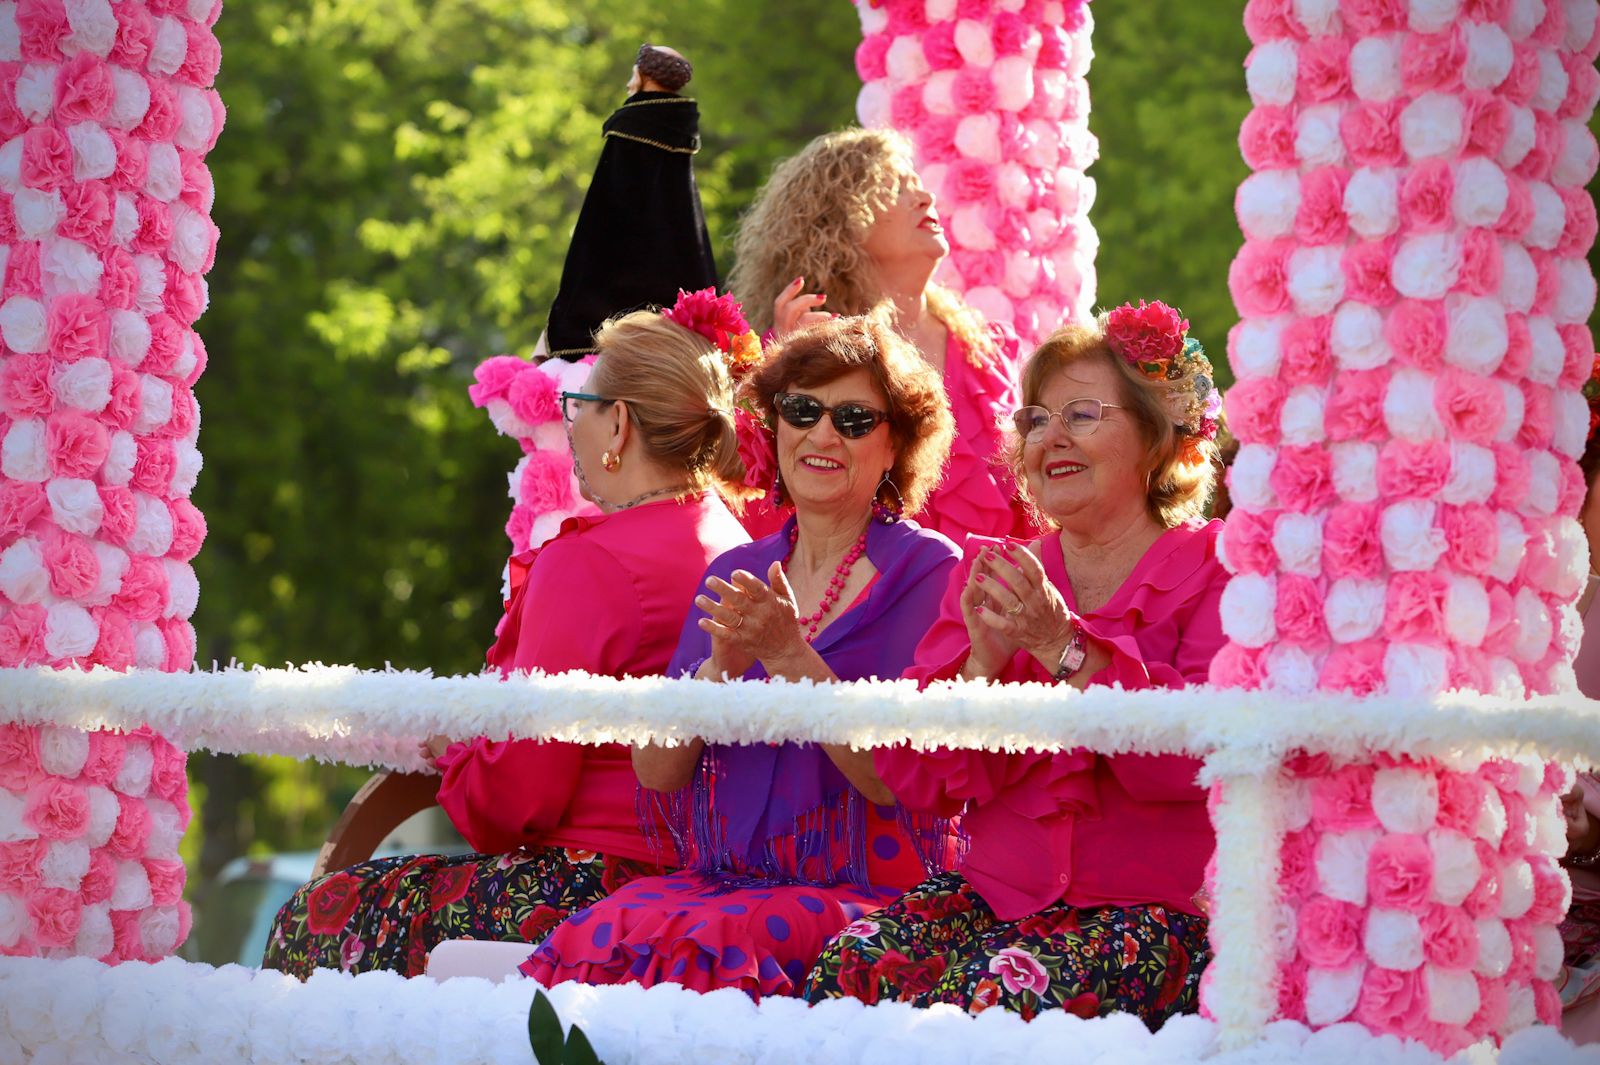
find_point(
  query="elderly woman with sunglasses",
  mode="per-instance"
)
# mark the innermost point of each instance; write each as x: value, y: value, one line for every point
x: 553, y: 826
x: 1077, y: 889
x: 782, y: 845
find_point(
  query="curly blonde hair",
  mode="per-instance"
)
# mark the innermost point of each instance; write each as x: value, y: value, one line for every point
x: 1182, y: 468
x: 921, y: 426
x: 811, y: 220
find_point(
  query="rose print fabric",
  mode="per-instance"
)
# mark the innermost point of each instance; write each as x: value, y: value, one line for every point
x: 940, y: 942
x: 388, y: 913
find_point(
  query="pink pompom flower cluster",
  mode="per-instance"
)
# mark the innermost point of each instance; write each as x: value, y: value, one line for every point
x: 1414, y: 297
x: 89, y: 864
x: 107, y: 113
x: 1426, y: 899
x: 523, y: 400
x: 994, y: 98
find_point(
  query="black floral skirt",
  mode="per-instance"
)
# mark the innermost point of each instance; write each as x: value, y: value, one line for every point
x: 389, y: 912
x: 940, y: 942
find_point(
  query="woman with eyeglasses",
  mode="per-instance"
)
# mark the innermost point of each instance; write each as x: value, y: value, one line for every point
x: 846, y: 226
x: 784, y: 844
x: 1077, y: 890
x: 554, y: 826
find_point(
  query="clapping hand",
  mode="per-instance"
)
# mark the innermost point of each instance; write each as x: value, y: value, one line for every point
x: 1010, y: 604
x: 749, y: 620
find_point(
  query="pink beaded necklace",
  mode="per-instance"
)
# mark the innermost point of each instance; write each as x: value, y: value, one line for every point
x: 812, y: 622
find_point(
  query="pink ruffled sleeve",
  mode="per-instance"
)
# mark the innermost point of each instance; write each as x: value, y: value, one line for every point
x: 500, y: 794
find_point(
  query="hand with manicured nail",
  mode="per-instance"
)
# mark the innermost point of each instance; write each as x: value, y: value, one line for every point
x: 797, y: 309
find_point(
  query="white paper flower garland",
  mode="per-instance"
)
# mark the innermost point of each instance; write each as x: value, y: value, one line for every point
x: 995, y: 100
x: 106, y: 116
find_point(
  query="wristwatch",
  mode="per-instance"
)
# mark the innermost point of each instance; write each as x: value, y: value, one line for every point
x: 1073, y: 656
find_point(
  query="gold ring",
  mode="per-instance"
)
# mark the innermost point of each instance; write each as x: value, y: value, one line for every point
x: 741, y: 622
x: 1014, y: 611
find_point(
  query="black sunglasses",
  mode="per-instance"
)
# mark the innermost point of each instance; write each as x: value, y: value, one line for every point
x: 850, y: 420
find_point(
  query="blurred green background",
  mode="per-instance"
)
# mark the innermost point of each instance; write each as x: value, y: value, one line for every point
x: 395, y: 189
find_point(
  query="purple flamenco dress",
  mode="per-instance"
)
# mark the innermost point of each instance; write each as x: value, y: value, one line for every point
x: 778, y: 851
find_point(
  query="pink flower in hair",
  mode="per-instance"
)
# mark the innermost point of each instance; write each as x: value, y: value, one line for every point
x: 1151, y: 334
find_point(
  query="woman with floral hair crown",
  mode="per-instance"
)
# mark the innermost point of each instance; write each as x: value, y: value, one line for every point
x: 844, y: 226
x: 554, y: 826
x: 1077, y: 889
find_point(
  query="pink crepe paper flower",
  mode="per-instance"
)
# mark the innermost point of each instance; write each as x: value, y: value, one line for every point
x: 534, y: 396
x: 25, y: 390
x: 1432, y: 61
x: 1400, y: 873
x: 1321, y: 218
x: 87, y: 207
x: 19, y: 757
x: 1518, y: 213
x: 119, y: 279
x: 1297, y: 866
x: 114, y: 646
x: 1578, y: 233
x: 1367, y: 18
x: 1342, y: 800
x: 1413, y: 470
x: 1258, y: 278
x: 1449, y: 939
x: 1351, y: 544
x: 57, y: 809
x: 161, y: 118
x: 1292, y: 991
x: 202, y: 58
x: 1303, y: 478
x: 1484, y: 898
x: 938, y: 48
x: 1482, y: 264
x: 1253, y: 406
x: 40, y: 27
x: 83, y: 89
x: 1470, y: 406
x: 166, y: 880
x: 1371, y: 133
x: 1366, y: 265
x: 906, y: 109
x: 56, y: 915
x: 1271, y: 20
x: 1578, y: 342
x: 73, y: 567
x: 1552, y: 890
x: 1323, y: 71
x: 1247, y: 542
x: 1267, y: 139
x: 1426, y: 197
x: 132, y: 831
x: 119, y: 513
x: 1236, y: 666
x: 1329, y: 932
x: 46, y: 158
x: 22, y: 271
x: 493, y: 377
x: 1537, y: 429
x: 76, y: 444
x: 1391, y: 1001
x: 1511, y: 476
x: 1574, y: 489
x: 1519, y: 350
x: 100, y: 881
x: 1472, y: 537
x: 1011, y: 33
x: 1307, y: 354
x: 546, y: 483
x: 22, y: 635
x: 1298, y: 613
x: 1355, y: 407
x: 154, y: 466
x: 20, y: 504
x: 973, y: 92
x: 144, y: 591
x: 1487, y: 121
x: 1416, y: 331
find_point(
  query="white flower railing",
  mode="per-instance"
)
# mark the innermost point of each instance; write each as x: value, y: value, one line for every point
x: 376, y: 718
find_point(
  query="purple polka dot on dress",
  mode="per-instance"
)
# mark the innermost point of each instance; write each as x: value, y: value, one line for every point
x: 886, y: 847
x: 581, y: 917
x: 735, y: 908
x: 602, y: 934
x: 679, y: 967
x: 733, y: 957
x: 651, y: 895
x: 777, y: 928
x: 795, y: 970
x: 812, y: 903
x: 769, y: 969
x: 702, y: 961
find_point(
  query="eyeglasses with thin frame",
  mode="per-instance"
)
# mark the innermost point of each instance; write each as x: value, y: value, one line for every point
x: 1079, y: 417
x: 568, y: 413
x: 850, y: 420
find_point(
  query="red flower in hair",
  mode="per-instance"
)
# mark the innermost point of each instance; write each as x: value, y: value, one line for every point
x: 717, y: 318
x: 1146, y: 334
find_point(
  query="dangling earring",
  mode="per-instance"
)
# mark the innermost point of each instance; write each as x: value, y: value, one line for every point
x: 888, y: 512
x: 609, y: 462
x: 777, y: 489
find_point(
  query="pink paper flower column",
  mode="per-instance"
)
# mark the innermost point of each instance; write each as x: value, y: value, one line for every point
x: 1414, y: 294
x: 994, y: 97
x: 106, y: 116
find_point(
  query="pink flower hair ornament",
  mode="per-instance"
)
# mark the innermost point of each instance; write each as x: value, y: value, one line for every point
x: 720, y: 320
x: 1154, y: 339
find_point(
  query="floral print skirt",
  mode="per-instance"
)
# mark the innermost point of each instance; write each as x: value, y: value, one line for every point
x: 388, y: 913
x: 940, y: 942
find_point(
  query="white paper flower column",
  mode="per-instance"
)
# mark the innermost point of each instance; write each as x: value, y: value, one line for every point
x: 994, y: 98
x: 106, y: 116
x: 1414, y: 295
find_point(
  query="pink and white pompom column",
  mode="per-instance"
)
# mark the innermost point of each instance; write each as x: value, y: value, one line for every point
x: 1414, y: 296
x: 106, y: 116
x: 994, y: 98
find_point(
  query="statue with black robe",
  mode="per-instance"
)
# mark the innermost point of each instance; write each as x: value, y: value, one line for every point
x: 641, y: 234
